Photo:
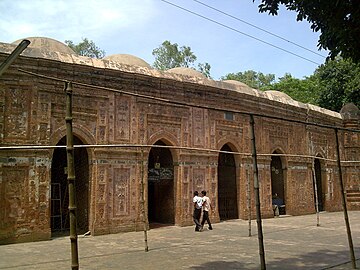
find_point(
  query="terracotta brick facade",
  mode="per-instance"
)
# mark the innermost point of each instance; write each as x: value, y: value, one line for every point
x: 32, y: 112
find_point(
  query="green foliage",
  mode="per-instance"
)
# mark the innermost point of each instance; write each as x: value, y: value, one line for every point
x: 252, y: 78
x: 303, y: 90
x: 169, y: 55
x: 332, y: 85
x: 205, y: 69
x: 86, y: 48
x: 337, y: 20
x: 339, y: 84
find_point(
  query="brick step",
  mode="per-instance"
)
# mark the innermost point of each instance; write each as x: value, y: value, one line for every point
x: 353, y: 196
x: 353, y: 191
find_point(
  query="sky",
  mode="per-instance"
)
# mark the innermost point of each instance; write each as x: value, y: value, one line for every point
x: 138, y: 26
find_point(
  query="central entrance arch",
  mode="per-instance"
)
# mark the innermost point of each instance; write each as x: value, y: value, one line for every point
x: 59, y: 200
x: 227, y: 190
x: 161, y: 202
x: 277, y: 180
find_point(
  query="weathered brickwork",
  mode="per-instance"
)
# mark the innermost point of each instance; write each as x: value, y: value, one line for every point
x: 32, y: 112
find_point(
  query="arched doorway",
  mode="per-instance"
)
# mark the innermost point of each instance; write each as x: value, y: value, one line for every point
x: 161, y: 202
x: 60, y: 222
x: 227, y: 190
x: 319, y: 188
x: 277, y: 181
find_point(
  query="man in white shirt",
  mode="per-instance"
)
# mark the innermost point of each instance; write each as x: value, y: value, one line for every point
x: 206, y: 208
x: 197, y: 201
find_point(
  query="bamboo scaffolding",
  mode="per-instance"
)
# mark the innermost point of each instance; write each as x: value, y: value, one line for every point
x: 253, y: 154
x: 71, y: 177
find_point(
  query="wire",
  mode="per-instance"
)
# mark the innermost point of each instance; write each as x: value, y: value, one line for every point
x: 186, y: 104
x: 32, y: 147
x: 183, y: 104
x: 259, y: 28
x: 237, y: 31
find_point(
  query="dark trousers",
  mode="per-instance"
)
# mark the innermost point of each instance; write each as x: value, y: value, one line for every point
x: 206, y: 218
x: 196, y: 217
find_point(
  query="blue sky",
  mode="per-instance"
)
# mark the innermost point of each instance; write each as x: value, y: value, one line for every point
x: 138, y: 26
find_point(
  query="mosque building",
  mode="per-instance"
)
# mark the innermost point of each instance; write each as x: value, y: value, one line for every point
x: 158, y: 135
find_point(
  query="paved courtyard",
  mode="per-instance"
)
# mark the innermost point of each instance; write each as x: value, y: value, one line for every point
x: 290, y: 243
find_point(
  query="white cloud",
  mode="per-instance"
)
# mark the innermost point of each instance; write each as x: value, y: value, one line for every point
x: 70, y: 19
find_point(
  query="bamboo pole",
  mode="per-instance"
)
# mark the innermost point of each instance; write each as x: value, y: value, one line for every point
x: 14, y: 55
x: 71, y: 176
x: 172, y: 101
x: 257, y: 195
x: 31, y: 147
x: 346, y: 217
x: 316, y: 195
x: 248, y: 194
x: 142, y: 191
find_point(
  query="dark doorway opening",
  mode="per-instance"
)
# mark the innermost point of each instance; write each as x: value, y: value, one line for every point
x: 60, y: 222
x: 277, y: 181
x: 227, y: 191
x: 161, y: 203
x: 319, y: 188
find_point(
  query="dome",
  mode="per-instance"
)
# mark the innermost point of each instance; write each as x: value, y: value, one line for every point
x: 277, y: 95
x: 350, y: 108
x: 186, y: 71
x: 236, y: 82
x: 241, y: 87
x: 47, y: 44
x: 350, y: 111
x: 127, y: 59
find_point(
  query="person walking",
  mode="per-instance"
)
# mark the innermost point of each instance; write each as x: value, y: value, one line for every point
x: 206, y: 208
x: 197, y: 201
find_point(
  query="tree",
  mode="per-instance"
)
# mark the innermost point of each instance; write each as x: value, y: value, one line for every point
x: 339, y: 84
x: 86, y: 48
x: 337, y: 20
x: 252, y: 78
x: 332, y: 85
x: 169, y: 55
x: 303, y: 90
x: 204, y: 68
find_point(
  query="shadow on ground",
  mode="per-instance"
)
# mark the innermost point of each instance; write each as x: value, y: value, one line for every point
x: 321, y: 260
x: 224, y: 265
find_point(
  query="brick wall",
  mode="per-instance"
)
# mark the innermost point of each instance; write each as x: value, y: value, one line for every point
x: 33, y: 111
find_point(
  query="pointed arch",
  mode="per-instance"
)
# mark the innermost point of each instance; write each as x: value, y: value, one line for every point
x: 59, y: 200
x: 168, y: 139
x: 227, y: 184
x: 79, y: 131
x: 278, y: 177
x: 161, y: 185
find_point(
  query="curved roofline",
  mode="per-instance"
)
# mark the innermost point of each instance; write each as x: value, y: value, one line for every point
x: 201, y: 80
x: 47, y: 44
x: 127, y: 59
x: 186, y: 71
